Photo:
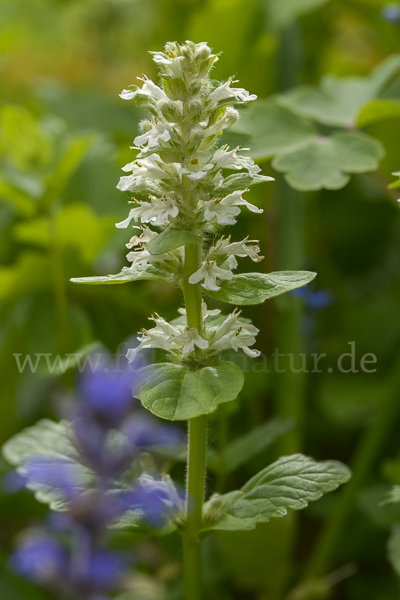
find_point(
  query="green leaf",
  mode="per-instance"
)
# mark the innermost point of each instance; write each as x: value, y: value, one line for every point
x: 338, y: 100
x: 240, y: 181
x: 280, y: 14
x: 122, y: 277
x: 255, y: 288
x: 271, y: 128
x: 171, y: 239
x: 171, y: 392
x: 247, y: 446
x: 325, y: 162
x: 394, y: 549
x: 290, y: 483
x: 395, y: 184
x: 378, y: 110
x: 51, y: 440
x: 72, y: 156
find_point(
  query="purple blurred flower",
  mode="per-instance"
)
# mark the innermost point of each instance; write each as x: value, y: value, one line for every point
x: 99, y: 571
x: 143, y: 432
x: 107, y: 393
x: 13, y: 482
x: 55, y: 473
x: 314, y: 299
x: 391, y: 13
x: 40, y: 558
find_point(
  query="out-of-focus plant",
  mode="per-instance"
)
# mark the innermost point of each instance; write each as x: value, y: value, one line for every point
x: 91, y: 470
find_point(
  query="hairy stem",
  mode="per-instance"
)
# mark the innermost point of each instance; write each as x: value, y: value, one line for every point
x: 192, y: 571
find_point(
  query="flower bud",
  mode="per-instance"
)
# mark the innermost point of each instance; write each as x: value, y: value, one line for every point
x: 172, y: 111
x: 175, y: 88
x: 195, y: 108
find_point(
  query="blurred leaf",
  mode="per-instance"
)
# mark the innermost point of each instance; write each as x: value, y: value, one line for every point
x: 77, y: 226
x: 378, y: 110
x: 244, y: 448
x: 270, y: 128
x: 23, y: 140
x: 338, y: 100
x: 373, y: 502
x: 171, y: 392
x: 394, y: 495
x: 16, y: 198
x: 255, y: 288
x: 71, y: 157
x: 395, y: 184
x: 281, y: 13
x: 290, y: 483
x: 29, y: 274
x: 50, y: 440
x: 394, y: 549
x: 325, y: 162
x: 170, y: 239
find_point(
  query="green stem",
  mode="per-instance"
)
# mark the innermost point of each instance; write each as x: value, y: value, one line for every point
x: 60, y: 291
x: 364, y: 459
x: 192, y: 568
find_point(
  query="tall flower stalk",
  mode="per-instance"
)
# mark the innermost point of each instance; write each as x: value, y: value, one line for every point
x: 182, y: 197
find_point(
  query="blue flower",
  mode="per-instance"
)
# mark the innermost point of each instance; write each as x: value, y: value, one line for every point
x: 107, y: 391
x: 314, y: 299
x: 391, y: 13
x: 40, y: 558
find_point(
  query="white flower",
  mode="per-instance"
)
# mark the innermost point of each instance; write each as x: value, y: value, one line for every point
x: 157, y: 212
x: 153, y: 132
x: 241, y: 249
x: 169, y: 497
x: 209, y: 272
x: 204, y: 311
x: 195, y: 170
x: 169, y: 338
x: 191, y: 338
x: 142, y: 239
x: 152, y: 167
x: 170, y: 60
x: 225, y: 209
x: 149, y: 89
x: 232, y: 160
x: 230, y: 117
x: 236, y: 335
x: 224, y: 91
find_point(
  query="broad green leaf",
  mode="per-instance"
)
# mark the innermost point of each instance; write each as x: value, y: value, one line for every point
x: 395, y: 184
x: 394, y: 549
x: 171, y: 239
x: 247, y: 446
x: 240, y: 181
x: 255, y: 288
x: 325, y: 162
x: 171, y: 392
x: 50, y: 440
x: 290, y: 483
x: 338, y: 100
x: 122, y: 277
x: 271, y: 128
x: 378, y: 110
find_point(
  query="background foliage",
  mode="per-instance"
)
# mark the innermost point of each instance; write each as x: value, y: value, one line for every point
x: 64, y: 134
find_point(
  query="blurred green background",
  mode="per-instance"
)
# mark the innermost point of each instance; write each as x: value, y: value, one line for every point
x: 64, y: 135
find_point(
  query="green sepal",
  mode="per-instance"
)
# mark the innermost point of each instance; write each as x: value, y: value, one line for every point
x: 172, y: 392
x: 170, y: 239
x: 290, y: 483
x: 122, y: 277
x: 255, y: 288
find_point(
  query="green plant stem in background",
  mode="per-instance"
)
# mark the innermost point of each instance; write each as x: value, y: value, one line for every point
x: 59, y: 279
x: 197, y: 444
x: 364, y: 460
